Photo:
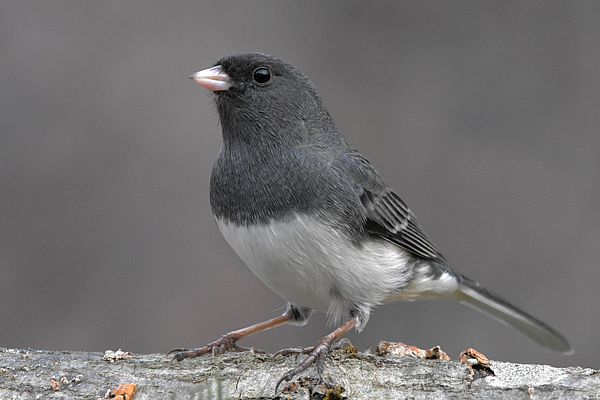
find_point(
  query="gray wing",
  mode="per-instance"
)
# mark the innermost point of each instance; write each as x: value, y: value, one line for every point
x: 387, y: 216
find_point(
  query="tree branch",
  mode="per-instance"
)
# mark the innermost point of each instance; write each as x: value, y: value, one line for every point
x: 32, y: 374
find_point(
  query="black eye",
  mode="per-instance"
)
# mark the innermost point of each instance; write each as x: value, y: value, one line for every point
x: 262, y: 75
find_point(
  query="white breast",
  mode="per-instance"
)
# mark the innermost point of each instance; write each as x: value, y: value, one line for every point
x: 311, y: 264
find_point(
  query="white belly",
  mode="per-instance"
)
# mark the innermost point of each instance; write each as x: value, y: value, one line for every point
x: 310, y: 264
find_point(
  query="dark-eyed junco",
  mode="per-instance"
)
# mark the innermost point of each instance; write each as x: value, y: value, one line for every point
x: 312, y: 218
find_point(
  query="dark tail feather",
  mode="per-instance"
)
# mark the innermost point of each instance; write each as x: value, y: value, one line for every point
x: 476, y: 296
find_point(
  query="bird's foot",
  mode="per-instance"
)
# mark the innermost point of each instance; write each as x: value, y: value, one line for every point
x: 228, y: 342
x: 316, y: 355
x: 294, y: 350
x: 225, y: 343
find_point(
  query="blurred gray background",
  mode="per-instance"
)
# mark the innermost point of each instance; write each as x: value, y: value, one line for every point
x: 484, y: 115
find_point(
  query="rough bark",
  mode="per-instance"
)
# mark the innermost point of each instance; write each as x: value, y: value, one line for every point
x: 30, y: 374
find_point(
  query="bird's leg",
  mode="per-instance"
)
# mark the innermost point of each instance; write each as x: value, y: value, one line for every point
x: 227, y: 342
x: 319, y: 351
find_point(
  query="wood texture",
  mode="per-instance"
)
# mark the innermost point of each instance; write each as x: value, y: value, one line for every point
x: 38, y: 374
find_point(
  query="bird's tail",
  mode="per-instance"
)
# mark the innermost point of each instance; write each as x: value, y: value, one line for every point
x: 473, y: 294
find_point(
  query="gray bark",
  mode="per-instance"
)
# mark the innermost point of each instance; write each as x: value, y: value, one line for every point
x: 27, y: 374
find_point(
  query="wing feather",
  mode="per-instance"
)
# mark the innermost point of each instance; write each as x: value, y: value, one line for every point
x: 387, y: 215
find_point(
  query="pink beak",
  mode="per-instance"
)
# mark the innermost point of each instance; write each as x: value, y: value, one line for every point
x: 213, y: 79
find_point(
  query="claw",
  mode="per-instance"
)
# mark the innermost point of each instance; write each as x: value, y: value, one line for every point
x: 219, y: 346
x: 317, y: 355
x: 178, y: 350
x: 182, y: 354
x: 177, y: 354
x: 287, y: 377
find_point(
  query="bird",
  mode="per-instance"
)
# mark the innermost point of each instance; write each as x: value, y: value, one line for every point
x: 313, y: 219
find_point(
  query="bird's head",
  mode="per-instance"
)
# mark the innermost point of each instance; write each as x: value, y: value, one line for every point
x: 262, y: 98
